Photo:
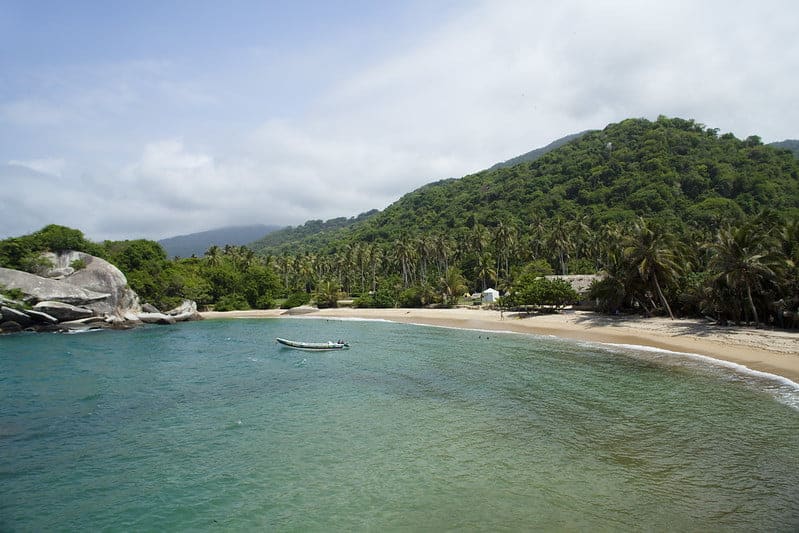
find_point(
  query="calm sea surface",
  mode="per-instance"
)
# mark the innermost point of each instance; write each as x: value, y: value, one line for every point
x: 212, y: 426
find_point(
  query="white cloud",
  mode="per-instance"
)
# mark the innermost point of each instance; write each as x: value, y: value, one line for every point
x: 47, y: 165
x: 161, y: 148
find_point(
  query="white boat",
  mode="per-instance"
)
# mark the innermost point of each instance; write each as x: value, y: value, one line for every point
x: 314, y: 346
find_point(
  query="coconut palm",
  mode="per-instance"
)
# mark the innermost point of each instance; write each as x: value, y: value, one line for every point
x: 375, y: 263
x: 405, y: 254
x: 214, y: 255
x: 484, y: 269
x: 746, y: 261
x: 560, y: 241
x: 655, y: 255
x: 452, y: 284
x: 505, y: 242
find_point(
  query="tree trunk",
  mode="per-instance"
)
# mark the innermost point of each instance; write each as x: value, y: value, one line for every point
x: 752, y: 304
x: 662, y: 297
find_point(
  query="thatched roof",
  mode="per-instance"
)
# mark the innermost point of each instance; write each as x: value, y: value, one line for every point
x: 579, y: 282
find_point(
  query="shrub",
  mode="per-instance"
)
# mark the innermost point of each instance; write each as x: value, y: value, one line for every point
x: 296, y: 299
x: 265, y: 302
x: 231, y: 302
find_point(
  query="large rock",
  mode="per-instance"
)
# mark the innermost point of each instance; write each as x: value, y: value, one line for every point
x: 37, y: 288
x: 100, y: 276
x: 95, y: 295
x: 156, y: 318
x: 10, y: 326
x: 26, y: 317
x: 63, y: 311
x: 41, y: 317
x: 15, y: 315
x: 185, y: 311
x: 301, y: 310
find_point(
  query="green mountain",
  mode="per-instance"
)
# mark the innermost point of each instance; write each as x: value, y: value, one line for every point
x: 675, y: 170
x: 538, y: 152
x: 197, y: 243
x: 312, y: 235
x: 788, y: 144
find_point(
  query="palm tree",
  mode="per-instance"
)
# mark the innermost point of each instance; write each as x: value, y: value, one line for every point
x: 745, y: 260
x: 327, y: 294
x: 444, y: 250
x: 307, y: 271
x: 285, y: 265
x: 214, y: 255
x: 375, y: 262
x: 655, y: 255
x: 789, y: 235
x: 478, y: 238
x: 405, y: 254
x: 452, y: 283
x: 504, y: 241
x: 536, y: 237
x: 560, y: 241
x: 484, y: 269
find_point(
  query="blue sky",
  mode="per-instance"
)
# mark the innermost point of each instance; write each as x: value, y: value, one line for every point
x: 152, y: 119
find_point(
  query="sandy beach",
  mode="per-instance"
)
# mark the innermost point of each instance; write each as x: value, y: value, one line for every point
x: 765, y: 350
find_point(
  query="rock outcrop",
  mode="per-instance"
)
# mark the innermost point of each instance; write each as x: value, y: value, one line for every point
x: 63, y: 311
x: 79, y: 291
x: 39, y: 288
x: 98, y: 275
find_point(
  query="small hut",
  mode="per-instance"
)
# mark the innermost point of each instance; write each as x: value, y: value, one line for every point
x: 490, y: 296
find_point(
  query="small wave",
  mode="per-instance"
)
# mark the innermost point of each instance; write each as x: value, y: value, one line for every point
x: 235, y: 425
x: 786, y: 390
x: 340, y: 318
x: 80, y: 331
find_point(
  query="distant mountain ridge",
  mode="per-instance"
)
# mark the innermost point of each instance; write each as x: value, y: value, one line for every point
x: 532, y: 155
x: 788, y: 144
x: 311, y: 233
x: 197, y: 243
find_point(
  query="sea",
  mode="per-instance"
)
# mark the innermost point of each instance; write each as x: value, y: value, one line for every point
x: 213, y: 426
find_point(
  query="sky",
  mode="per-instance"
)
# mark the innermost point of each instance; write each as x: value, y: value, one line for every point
x: 151, y: 119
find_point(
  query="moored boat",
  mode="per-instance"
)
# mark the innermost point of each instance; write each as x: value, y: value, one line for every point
x: 315, y: 346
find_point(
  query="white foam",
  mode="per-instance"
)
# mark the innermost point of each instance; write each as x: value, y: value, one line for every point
x: 339, y: 318
x: 787, y: 390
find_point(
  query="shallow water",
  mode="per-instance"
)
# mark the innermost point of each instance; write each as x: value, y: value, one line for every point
x: 212, y: 425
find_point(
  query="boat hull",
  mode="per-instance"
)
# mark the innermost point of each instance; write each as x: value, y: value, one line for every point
x: 313, y: 346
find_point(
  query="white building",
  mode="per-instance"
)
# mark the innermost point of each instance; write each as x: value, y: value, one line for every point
x: 490, y: 296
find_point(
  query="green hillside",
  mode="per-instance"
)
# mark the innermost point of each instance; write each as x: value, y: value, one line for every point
x: 532, y: 155
x: 677, y: 171
x: 788, y: 144
x: 314, y: 234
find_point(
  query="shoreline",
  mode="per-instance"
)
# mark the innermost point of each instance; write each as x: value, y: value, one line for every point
x: 763, y: 350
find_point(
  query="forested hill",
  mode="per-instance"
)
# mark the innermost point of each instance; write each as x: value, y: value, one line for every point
x: 532, y: 155
x: 674, y: 170
x: 788, y: 144
x: 198, y: 243
x: 311, y: 235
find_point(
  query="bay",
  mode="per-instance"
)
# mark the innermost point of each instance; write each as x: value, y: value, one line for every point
x: 212, y: 425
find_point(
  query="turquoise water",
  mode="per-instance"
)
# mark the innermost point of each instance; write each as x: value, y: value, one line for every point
x: 212, y: 426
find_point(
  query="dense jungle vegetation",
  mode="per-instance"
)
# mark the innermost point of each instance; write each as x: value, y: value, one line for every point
x: 677, y: 218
